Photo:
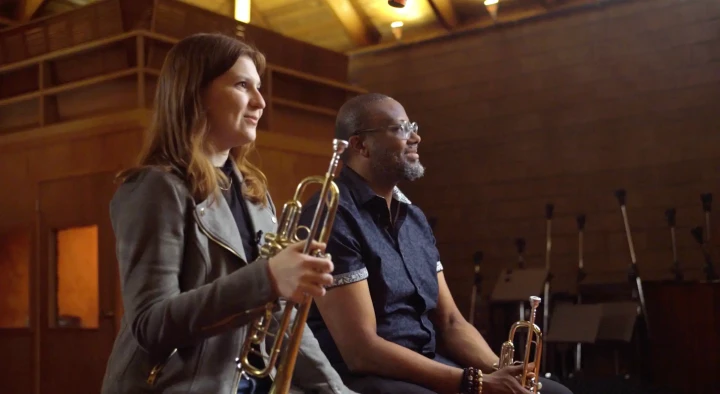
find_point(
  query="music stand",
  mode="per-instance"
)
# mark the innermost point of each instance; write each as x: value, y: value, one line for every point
x: 590, y: 323
x: 573, y: 323
x: 618, y: 325
x: 618, y: 321
x: 477, y: 259
x: 518, y: 285
x: 633, y: 273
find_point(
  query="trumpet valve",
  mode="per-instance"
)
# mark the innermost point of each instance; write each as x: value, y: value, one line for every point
x: 507, y: 354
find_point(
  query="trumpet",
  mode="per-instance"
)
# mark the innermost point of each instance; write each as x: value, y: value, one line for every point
x: 507, y: 352
x: 287, y: 234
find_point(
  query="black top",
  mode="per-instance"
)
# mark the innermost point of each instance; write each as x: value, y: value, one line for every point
x: 239, y: 209
x: 397, y: 257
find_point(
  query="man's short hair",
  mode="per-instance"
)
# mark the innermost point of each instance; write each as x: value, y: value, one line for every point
x: 355, y: 114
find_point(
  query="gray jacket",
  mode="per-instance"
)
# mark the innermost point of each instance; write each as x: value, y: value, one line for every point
x: 188, y: 294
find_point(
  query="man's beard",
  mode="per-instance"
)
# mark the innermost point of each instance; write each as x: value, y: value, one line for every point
x: 395, y: 167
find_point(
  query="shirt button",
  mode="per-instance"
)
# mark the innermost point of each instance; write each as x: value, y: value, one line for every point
x: 202, y: 211
x: 274, y: 219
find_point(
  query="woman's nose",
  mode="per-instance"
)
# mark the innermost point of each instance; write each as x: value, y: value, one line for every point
x: 257, y: 100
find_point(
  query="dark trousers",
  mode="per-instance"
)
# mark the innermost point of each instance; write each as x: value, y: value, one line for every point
x: 370, y: 384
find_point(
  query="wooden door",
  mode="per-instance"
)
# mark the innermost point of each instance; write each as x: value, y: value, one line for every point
x: 78, y: 276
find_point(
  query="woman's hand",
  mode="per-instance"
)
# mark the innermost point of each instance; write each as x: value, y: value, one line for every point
x: 295, y: 274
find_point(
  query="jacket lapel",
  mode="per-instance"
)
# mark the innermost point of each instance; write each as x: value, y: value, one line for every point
x: 216, y: 219
x: 263, y: 219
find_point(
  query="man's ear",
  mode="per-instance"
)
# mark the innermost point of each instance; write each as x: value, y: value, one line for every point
x: 359, y: 145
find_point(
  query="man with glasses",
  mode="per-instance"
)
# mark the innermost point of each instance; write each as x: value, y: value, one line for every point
x: 389, y: 309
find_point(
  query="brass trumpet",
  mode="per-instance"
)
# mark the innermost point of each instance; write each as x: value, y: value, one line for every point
x: 287, y: 234
x: 507, y: 352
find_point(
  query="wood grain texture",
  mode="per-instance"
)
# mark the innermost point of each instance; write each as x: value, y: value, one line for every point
x: 564, y: 111
x: 74, y: 115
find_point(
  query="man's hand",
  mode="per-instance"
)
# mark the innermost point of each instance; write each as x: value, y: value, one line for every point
x: 506, y: 381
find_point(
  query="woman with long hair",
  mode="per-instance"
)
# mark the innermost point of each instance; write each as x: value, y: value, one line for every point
x: 188, y: 220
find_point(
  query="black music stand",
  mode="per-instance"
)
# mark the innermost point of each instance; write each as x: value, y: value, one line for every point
x: 621, y: 298
x: 618, y: 321
x: 711, y: 275
x: 706, y: 199
x: 518, y: 285
x: 618, y: 326
x: 477, y: 259
x: 549, y: 209
x: 633, y: 274
x: 573, y: 323
x: 675, y: 268
x: 515, y: 286
x: 612, y: 322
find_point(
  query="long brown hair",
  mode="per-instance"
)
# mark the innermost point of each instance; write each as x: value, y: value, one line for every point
x: 176, y: 138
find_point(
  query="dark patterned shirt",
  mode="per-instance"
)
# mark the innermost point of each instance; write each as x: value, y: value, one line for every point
x: 400, y: 263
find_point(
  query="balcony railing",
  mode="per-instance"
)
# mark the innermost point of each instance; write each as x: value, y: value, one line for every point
x: 84, y: 63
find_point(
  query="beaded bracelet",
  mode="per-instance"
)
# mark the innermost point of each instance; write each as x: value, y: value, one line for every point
x: 471, y: 381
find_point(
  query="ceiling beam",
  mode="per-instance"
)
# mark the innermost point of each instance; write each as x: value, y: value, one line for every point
x: 445, y: 13
x: 507, y: 20
x: 357, y: 24
x: 27, y: 8
x: 257, y: 17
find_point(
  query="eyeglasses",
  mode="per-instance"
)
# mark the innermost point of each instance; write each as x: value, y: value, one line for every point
x: 402, y: 130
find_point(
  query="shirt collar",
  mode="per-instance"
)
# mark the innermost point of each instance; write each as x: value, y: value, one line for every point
x: 362, y: 192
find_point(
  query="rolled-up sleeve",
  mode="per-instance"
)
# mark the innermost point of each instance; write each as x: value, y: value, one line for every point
x: 343, y: 246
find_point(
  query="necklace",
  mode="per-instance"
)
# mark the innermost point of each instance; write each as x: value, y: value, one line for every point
x: 228, y: 187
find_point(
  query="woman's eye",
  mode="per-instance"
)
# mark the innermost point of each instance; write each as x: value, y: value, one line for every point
x: 242, y: 84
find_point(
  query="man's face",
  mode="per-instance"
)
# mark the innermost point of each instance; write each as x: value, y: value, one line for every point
x: 393, y: 151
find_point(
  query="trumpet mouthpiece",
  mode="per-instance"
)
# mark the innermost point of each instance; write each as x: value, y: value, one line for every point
x: 339, y: 145
x: 534, y: 301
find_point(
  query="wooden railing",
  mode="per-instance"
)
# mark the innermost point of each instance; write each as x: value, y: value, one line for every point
x: 66, y: 76
x: 173, y: 18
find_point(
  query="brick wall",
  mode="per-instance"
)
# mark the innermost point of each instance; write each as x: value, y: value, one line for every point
x: 564, y: 111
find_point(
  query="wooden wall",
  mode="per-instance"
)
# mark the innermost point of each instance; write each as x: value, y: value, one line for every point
x: 564, y: 111
x: 25, y: 166
x: 75, y: 98
x: 111, y: 146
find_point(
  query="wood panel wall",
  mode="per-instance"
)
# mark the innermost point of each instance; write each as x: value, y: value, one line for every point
x: 564, y: 111
x: 74, y: 105
x: 110, y: 146
x: 24, y: 166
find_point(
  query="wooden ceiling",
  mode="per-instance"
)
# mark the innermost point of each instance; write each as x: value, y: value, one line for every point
x: 342, y: 25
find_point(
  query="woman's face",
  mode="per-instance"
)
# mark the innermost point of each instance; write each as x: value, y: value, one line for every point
x: 234, y: 105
